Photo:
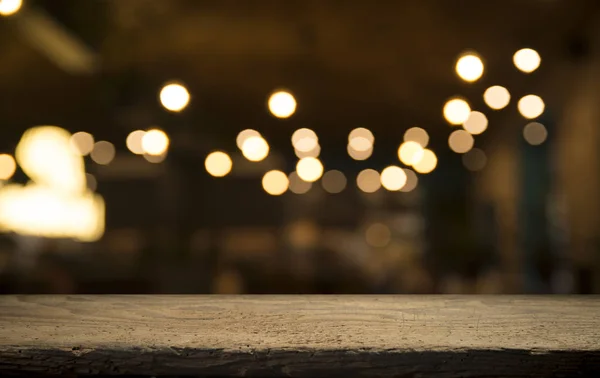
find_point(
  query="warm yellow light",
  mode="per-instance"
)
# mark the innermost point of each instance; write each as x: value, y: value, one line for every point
x: 255, y: 148
x: 282, y: 104
x: 527, y: 60
x: 476, y: 123
x: 91, y: 182
x: 535, y: 133
x: 103, y: 152
x: 410, y: 153
x: 245, y: 134
x: 8, y: 166
x: 474, y: 160
x: 460, y: 141
x: 361, y: 139
x: 418, y: 135
x: 297, y: 185
x: 368, y: 181
x: 134, y: 142
x: 10, y: 7
x: 275, y: 182
x: 378, y: 235
x: 218, y: 164
x: 155, y: 142
x: 456, y: 111
x: 359, y: 155
x: 305, y: 140
x: 469, y: 67
x: 174, y: 97
x: 315, y: 152
x: 531, y: 106
x: 496, y: 97
x: 428, y: 163
x: 82, y: 142
x: 155, y: 159
x: 393, y: 178
x: 411, y: 179
x: 309, y: 169
x: 334, y: 181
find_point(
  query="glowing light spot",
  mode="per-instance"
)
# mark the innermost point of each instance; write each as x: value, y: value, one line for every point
x: 174, y: 97
x: 245, y: 134
x: 309, y: 169
x: 418, y: 135
x: 134, y: 142
x: 460, y: 141
x: 378, y: 235
x: 297, y: 185
x: 393, y: 178
x: 282, y: 104
x: 155, y: 142
x: 218, y: 164
x: 91, y: 182
x: 368, y: 181
x: 474, y: 160
x: 456, y: 111
x: 82, y: 143
x: 496, y: 97
x: 255, y: 148
x: 10, y: 7
x: 527, y: 60
x: 155, y: 159
x: 469, y: 67
x: 315, y: 152
x: 428, y: 163
x: 361, y: 139
x: 8, y: 166
x: 359, y: 155
x: 305, y: 140
x: 476, y: 123
x: 535, y: 133
x: 410, y: 153
x: 411, y: 179
x: 334, y: 181
x: 103, y: 152
x: 531, y: 106
x: 275, y: 182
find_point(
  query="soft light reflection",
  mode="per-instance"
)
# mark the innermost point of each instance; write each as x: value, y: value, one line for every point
x: 218, y: 164
x: 496, y: 97
x: 245, y: 134
x: 469, y: 67
x: 393, y: 178
x: 418, y: 135
x: 282, y: 104
x: 474, y: 160
x: 8, y: 166
x: 304, y: 140
x: 411, y: 179
x: 531, y: 106
x: 82, y: 143
x: 334, y: 181
x: 275, y: 182
x: 476, y: 124
x: 297, y: 185
x: 103, y: 152
x: 155, y: 159
x: 378, y: 235
x: 309, y: 169
x: 535, y: 133
x: 255, y: 148
x: 460, y: 141
x: 10, y: 7
x: 410, y: 153
x: 359, y: 155
x: 527, y: 60
x: 368, y: 181
x: 428, y: 163
x: 155, y: 142
x: 174, y: 97
x: 456, y: 111
x: 134, y: 142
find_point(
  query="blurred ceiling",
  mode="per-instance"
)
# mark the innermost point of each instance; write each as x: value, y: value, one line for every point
x: 383, y: 64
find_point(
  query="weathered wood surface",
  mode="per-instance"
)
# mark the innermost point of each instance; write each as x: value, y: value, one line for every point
x: 406, y: 336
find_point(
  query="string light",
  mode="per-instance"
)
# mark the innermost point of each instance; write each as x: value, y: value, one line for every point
x: 255, y: 148
x: 496, y: 97
x: 309, y: 169
x: 531, y: 106
x: 134, y: 142
x: 393, y: 178
x: 427, y: 163
x: 282, y: 104
x: 469, y: 67
x: 410, y: 153
x: 527, y: 60
x: 476, y: 124
x: 418, y: 135
x: 174, y: 97
x: 10, y: 7
x: 275, y: 182
x: 456, y: 111
x: 155, y: 142
x: 218, y: 164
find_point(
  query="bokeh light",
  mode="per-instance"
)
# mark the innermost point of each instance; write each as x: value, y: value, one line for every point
x: 10, y: 7
x: 418, y: 135
x: 469, y: 67
x: 393, y: 178
x: 474, y: 160
x: 460, y: 141
x: 456, y: 111
x: 410, y: 153
x: 245, y: 134
x: 496, y: 97
x: 315, y: 152
x: 378, y: 235
x: 155, y: 159
x: 361, y: 139
x: 334, y: 181
x: 282, y: 104
x: 297, y: 185
x: 134, y: 142
x: 304, y: 140
x: 535, y: 133
x: 91, y: 182
x: 82, y: 143
x: 255, y: 148
x: 309, y: 169
x: 411, y: 179
x: 8, y: 166
x: 174, y: 97
x: 428, y: 162
x: 531, y: 106
x: 155, y: 142
x: 368, y: 180
x: 476, y: 124
x: 218, y: 164
x: 103, y: 152
x: 275, y: 182
x: 527, y: 60
x: 359, y: 155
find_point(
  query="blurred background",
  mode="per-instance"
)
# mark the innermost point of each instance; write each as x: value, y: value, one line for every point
x: 314, y: 146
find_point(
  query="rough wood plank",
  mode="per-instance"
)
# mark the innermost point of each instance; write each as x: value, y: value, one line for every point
x: 298, y: 336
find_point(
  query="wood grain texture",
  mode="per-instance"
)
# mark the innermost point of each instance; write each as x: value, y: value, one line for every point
x: 297, y: 336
